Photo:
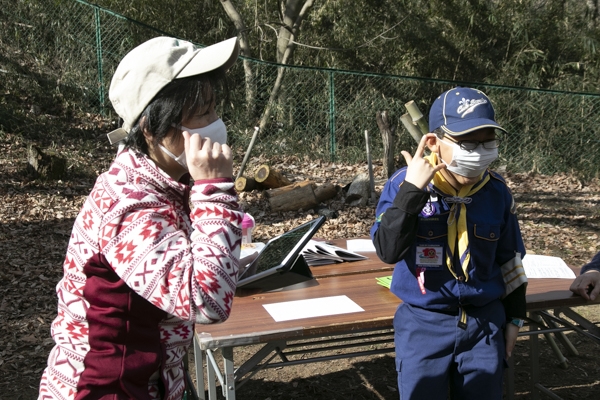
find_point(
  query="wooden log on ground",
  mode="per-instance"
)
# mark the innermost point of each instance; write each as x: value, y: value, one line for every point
x: 46, y: 165
x: 270, y: 178
x: 299, y: 198
x: 246, y: 184
x: 278, y: 191
x: 387, y: 129
x: 326, y: 191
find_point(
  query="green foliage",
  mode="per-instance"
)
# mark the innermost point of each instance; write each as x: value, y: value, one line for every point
x: 59, y: 57
x: 532, y: 43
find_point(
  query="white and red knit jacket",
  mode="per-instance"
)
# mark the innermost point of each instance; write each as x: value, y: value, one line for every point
x: 141, y: 269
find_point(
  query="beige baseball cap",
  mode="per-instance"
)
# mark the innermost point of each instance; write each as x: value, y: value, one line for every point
x: 146, y: 69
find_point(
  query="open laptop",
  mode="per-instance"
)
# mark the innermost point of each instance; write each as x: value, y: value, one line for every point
x: 280, y: 263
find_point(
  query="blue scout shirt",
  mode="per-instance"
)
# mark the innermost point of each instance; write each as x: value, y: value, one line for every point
x: 411, y: 231
x: 594, y: 264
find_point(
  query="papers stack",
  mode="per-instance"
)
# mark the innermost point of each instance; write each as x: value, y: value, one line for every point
x: 385, y: 281
x: 320, y: 253
x: 537, y: 266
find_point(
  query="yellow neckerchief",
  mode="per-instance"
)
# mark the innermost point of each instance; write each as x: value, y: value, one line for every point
x: 457, y: 230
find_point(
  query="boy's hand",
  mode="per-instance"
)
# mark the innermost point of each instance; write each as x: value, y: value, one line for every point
x: 420, y: 171
x: 510, y: 337
x: 587, y: 285
x: 205, y: 159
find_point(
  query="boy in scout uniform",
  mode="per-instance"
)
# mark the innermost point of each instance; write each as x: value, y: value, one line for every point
x: 449, y: 225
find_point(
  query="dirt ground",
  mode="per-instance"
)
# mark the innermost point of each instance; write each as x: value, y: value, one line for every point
x: 374, y: 377
x: 559, y: 216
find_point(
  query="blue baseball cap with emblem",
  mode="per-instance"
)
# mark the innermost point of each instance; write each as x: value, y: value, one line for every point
x: 462, y: 110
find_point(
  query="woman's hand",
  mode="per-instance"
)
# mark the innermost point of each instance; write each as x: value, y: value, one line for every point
x: 205, y: 159
x: 420, y: 171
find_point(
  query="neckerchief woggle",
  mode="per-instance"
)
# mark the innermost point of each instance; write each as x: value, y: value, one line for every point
x: 457, y: 219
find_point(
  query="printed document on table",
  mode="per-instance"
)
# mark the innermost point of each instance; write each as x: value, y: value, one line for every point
x: 360, y: 245
x: 546, y: 267
x: 319, y: 307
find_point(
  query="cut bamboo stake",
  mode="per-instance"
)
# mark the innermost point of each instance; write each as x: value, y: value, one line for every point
x: 411, y: 128
x: 417, y: 117
x: 247, y: 156
x: 371, y: 179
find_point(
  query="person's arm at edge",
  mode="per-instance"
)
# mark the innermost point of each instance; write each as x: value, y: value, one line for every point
x: 587, y: 284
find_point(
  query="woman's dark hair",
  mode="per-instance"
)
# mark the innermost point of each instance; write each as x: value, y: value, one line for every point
x: 176, y: 102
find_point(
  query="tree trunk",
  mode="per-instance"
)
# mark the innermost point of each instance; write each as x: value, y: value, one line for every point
x: 45, y: 165
x: 387, y: 130
x: 289, y: 14
x: 284, y: 60
x: 246, y: 51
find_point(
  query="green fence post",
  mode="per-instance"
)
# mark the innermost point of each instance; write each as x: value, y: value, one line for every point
x: 99, y: 56
x: 332, y: 116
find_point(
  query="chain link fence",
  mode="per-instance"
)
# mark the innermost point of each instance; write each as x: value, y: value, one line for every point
x: 318, y: 113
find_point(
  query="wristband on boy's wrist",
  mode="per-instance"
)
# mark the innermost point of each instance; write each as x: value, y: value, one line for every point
x: 518, y: 322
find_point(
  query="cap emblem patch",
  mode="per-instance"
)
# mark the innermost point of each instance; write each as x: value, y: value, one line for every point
x: 466, y: 106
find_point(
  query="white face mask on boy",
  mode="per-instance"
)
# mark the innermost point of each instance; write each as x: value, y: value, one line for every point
x: 470, y: 163
x: 216, y: 131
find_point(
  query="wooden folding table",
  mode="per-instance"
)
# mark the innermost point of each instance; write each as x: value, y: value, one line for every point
x: 357, y: 334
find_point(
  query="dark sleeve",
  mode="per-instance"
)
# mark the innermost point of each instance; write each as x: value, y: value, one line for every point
x: 515, y: 303
x: 594, y: 264
x: 398, y: 225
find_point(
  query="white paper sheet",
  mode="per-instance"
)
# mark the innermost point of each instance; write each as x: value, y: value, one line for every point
x: 248, y: 249
x: 546, y: 267
x: 319, y: 307
x: 360, y: 245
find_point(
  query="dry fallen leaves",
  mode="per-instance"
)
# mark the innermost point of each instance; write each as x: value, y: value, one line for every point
x: 559, y: 216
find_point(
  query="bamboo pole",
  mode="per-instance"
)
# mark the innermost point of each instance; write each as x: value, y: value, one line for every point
x: 411, y: 128
x: 417, y: 117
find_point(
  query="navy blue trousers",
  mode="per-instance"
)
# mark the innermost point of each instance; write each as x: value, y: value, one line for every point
x: 435, y: 355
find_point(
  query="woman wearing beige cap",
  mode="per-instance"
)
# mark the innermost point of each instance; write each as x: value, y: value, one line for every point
x: 141, y: 266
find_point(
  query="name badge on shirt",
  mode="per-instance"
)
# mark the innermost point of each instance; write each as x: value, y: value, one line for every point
x: 430, y: 256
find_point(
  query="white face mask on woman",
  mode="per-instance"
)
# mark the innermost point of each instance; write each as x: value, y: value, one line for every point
x: 470, y: 163
x: 217, y: 132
